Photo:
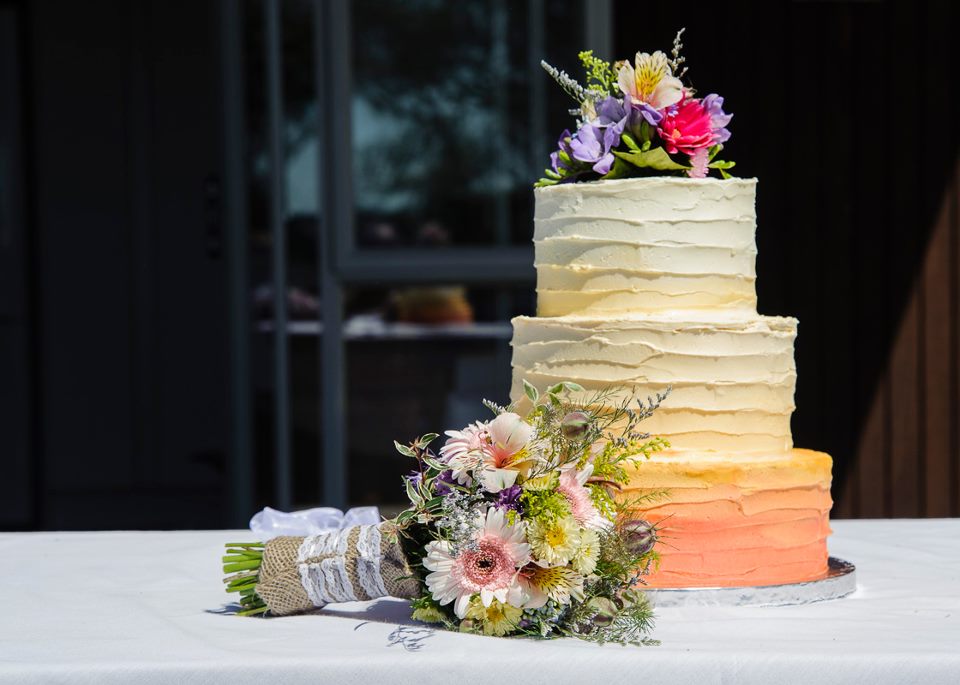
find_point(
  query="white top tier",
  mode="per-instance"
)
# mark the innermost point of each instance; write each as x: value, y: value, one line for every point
x: 646, y: 245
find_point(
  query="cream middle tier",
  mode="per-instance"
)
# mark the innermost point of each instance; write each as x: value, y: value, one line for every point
x: 648, y: 283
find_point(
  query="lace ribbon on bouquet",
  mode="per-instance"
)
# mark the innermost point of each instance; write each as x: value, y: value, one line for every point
x: 351, y: 564
x: 344, y: 558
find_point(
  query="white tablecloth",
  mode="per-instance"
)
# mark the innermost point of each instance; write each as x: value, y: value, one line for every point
x: 144, y: 608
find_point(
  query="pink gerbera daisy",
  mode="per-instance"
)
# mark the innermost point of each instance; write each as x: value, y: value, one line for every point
x: 578, y: 497
x: 463, y: 450
x: 489, y: 568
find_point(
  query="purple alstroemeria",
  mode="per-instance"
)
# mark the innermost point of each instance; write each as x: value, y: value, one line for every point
x: 509, y: 498
x: 719, y: 119
x: 442, y: 484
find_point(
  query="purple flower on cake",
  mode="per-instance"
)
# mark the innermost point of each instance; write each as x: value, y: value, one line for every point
x: 719, y: 119
x: 563, y: 145
x: 592, y: 145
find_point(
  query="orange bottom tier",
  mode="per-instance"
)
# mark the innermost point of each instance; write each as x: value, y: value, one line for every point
x: 736, y: 520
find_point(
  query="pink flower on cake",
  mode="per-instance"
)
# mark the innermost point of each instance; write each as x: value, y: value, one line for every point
x: 578, y: 497
x: 463, y: 450
x: 686, y: 128
x: 505, y: 453
x: 490, y: 567
x: 698, y: 163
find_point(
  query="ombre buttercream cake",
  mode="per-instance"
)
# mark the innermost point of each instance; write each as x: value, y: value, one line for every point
x: 649, y: 283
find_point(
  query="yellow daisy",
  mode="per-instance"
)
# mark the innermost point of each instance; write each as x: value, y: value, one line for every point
x: 498, y: 619
x: 585, y: 560
x: 554, y: 540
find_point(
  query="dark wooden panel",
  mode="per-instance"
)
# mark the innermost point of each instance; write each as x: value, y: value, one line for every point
x: 937, y: 402
x: 806, y: 230
x: 901, y: 24
x: 835, y: 358
x: 868, y: 306
x: 954, y: 472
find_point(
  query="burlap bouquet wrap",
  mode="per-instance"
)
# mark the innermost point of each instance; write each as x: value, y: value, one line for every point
x: 353, y: 564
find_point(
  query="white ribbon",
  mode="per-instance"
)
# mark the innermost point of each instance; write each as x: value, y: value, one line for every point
x: 270, y: 523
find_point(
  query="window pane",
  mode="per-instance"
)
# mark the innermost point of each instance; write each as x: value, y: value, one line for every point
x: 450, y: 117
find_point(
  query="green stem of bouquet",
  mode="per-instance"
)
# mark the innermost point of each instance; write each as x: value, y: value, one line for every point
x: 242, y: 564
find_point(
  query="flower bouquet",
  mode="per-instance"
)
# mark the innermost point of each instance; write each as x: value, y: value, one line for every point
x: 514, y: 528
x: 638, y: 120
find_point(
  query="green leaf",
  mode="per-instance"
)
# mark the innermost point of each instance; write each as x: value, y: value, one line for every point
x: 404, y: 450
x: 724, y: 174
x: 657, y: 158
x: 435, y: 502
x: 435, y: 464
x: 620, y: 169
x: 721, y: 164
x: 631, y: 143
x: 531, y: 391
x: 427, y: 439
x: 412, y: 494
x: 573, y: 387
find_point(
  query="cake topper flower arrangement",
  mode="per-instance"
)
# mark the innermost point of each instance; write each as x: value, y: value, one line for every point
x: 638, y: 119
x: 513, y: 528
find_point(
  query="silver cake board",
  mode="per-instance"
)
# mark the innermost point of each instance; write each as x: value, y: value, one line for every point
x: 839, y: 580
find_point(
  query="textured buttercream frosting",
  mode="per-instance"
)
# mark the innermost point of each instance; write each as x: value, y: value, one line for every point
x: 645, y: 284
x: 645, y: 245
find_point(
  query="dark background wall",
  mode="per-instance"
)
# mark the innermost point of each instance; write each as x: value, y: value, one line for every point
x: 113, y: 336
x: 119, y: 409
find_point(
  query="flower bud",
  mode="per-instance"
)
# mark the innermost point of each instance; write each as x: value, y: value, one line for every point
x: 606, y: 611
x: 639, y: 536
x: 575, y: 425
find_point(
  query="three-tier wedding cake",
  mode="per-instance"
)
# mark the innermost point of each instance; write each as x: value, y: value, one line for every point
x: 649, y: 283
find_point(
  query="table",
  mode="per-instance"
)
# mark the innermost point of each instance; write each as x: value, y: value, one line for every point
x: 146, y: 607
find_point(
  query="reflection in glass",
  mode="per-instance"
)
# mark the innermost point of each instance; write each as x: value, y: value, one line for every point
x: 448, y: 123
